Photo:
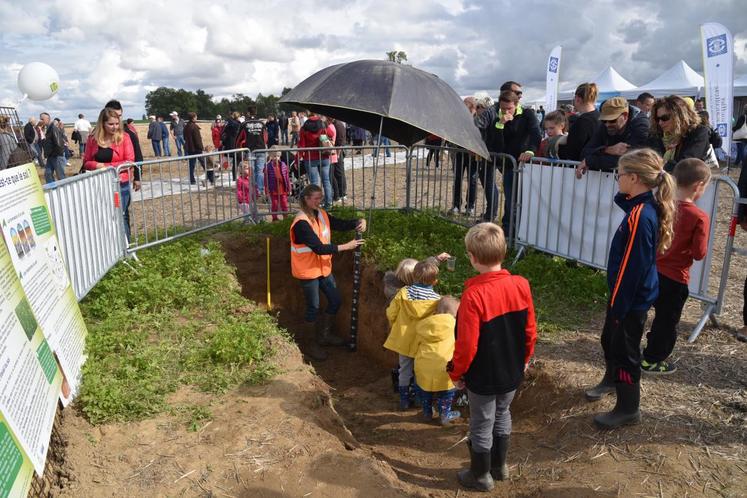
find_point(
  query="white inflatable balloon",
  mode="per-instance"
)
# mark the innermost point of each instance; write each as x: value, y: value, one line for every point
x: 38, y: 81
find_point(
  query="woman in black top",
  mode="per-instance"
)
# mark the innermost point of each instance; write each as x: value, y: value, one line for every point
x: 583, y: 125
x: 677, y: 132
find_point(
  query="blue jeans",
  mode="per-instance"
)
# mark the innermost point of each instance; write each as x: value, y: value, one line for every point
x: 209, y: 173
x: 259, y: 171
x: 124, y: 188
x: 179, y: 140
x: 313, y: 170
x: 156, y: 147
x: 55, y: 164
x: 311, y: 294
x: 166, y: 147
x: 385, y: 143
x: 81, y: 148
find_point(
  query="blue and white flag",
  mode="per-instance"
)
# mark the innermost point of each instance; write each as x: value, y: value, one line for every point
x: 718, y: 66
x: 553, y: 70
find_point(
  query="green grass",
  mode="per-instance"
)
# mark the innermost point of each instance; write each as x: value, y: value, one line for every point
x: 566, y: 296
x: 177, y: 318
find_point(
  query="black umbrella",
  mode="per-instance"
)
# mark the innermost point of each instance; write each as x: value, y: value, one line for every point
x: 405, y: 103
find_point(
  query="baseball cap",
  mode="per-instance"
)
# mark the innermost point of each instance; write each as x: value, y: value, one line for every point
x: 218, y: 117
x: 173, y: 113
x: 152, y: 117
x: 613, y: 107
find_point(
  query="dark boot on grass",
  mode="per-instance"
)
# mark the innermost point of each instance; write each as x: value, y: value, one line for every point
x: 605, y: 386
x: 626, y: 410
x: 477, y: 476
x: 326, y: 335
x: 498, y: 456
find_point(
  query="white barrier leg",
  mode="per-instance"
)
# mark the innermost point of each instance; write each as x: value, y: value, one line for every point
x: 707, y: 313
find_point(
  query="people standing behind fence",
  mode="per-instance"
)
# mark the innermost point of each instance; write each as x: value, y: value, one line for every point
x: 165, y: 134
x: 555, y: 125
x: 315, y: 133
x: 216, y: 130
x: 677, y: 132
x: 228, y: 138
x: 739, y: 134
x: 83, y: 127
x: 7, y: 142
x: 283, y: 124
x: 110, y: 147
x: 584, y: 125
x: 464, y: 162
x: 273, y: 131
x: 434, y: 143
x: 644, y: 103
x: 68, y: 153
x: 311, y: 263
x: 277, y: 183
x: 154, y: 135
x: 496, y: 332
x: 337, y: 175
x: 193, y: 146
x: 515, y: 132
x: 690, y: 244
x: 357, y: 136
x: 646, y: 196
x: 131, y: 131
x: 53, y: 145
x: 622, y: 128
x: 31, y: 135
x: 177, y: 132
x: 294, y: 126
x: 253, y: 136
x: 244, y: 188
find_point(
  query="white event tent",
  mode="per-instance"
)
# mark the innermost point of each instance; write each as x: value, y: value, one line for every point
x: 609, y: 82
x: 679, y: 79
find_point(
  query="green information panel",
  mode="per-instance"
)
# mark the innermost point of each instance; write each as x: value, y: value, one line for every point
x: 11, y: 460
x: 40, y: 219
x: 47, y: 361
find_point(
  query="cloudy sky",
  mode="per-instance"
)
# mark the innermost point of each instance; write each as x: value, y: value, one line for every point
x: 124, y: 49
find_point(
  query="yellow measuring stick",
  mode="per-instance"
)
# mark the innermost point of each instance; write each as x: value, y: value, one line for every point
x: 269, y: 299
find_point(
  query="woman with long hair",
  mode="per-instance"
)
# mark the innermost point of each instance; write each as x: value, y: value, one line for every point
x: 583, y: 125
x: 111, y: 147
x: 311, y: 264
x: 677, y: 132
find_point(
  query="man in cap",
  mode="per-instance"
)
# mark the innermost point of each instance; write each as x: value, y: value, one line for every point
x: 622, y: 127
x: 154, y: 135
x: 177, y: 131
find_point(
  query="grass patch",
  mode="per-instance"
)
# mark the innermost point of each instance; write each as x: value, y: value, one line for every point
x: 176, y: 318
x: 565, y: 295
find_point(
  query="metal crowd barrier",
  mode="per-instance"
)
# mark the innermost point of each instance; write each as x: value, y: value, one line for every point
x: 87, y: 215
x: 576, y: 219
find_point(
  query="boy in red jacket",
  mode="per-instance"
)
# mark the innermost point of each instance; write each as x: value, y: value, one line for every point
x: 690, y: 243
x: 496, y: 332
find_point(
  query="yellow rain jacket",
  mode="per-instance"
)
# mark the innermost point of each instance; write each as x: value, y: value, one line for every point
x: 403, y: 313
x: 434, y: 340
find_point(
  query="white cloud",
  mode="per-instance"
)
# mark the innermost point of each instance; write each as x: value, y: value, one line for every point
x: 124, y: 49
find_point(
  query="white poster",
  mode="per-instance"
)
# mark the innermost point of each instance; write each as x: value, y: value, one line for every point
x: 718, y: 66
x: 553, y: 71
x: 31, y: 240
x: 577, y: 218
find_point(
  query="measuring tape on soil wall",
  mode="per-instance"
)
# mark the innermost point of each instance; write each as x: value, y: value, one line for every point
x: 353, y: 344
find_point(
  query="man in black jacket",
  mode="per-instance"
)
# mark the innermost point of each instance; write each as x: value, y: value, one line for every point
x: 253, y: 136
x: 515, y: 131
x: 621, y: 128
x: 54, y: 149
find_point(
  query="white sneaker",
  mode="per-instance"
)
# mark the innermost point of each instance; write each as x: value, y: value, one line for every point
x: 454, y: 211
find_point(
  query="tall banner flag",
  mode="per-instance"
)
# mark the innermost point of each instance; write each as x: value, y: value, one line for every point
x: 718, y: 66
x: 553, y: 69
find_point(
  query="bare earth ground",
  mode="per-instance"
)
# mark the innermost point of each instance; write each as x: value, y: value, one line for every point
x: 333, y: 430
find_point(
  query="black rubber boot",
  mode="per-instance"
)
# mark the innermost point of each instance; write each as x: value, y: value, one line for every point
x: 326, y: 336
x: 313, y: 349
x: 477, y: 476
x: 626, y: 410
x: 605, y: 386
x: 498, y: 453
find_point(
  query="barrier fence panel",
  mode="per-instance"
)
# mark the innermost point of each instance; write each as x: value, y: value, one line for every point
x: 453, y: 181
x: 576, y: 218
x: 87, y: 214
x: 178, y: 196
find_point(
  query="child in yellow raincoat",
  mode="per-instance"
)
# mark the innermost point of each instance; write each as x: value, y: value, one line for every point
x: 410, y: 304
x: 434, y: 343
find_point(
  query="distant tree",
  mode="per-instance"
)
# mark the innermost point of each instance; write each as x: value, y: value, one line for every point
x: 396, y: 56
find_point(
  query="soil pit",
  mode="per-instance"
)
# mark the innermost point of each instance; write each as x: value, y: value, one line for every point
x: 555, y: 449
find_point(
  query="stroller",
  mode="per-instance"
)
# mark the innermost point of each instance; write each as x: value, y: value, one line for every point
x: 297, y: 171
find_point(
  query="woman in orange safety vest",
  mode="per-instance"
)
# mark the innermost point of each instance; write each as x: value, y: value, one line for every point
x: 311, y: 264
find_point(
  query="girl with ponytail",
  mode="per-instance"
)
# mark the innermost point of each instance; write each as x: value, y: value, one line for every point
x: 647, y: 197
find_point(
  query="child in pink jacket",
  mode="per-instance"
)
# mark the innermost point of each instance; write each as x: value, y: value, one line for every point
x: 243, y: 189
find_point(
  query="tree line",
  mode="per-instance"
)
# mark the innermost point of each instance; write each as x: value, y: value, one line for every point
x: 163, y: 100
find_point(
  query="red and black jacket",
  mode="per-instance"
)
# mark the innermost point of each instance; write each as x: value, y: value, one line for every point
x: 495, y: 334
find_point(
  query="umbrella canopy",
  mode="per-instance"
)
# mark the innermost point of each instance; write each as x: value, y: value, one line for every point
x: 412, y: 103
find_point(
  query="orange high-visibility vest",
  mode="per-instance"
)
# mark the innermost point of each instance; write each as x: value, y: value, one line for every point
x: 305, y: 263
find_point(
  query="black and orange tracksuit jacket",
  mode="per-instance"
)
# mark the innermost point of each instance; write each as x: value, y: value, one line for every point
x: 495, y: 334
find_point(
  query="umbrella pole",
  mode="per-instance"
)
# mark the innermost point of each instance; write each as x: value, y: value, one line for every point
x: 375, y: 170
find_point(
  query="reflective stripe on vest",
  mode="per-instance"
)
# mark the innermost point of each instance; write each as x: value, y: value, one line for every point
x: 305, y: 263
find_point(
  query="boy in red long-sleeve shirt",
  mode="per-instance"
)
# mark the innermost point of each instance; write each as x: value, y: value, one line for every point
x: 690, y: 243
x: 495, y: 336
